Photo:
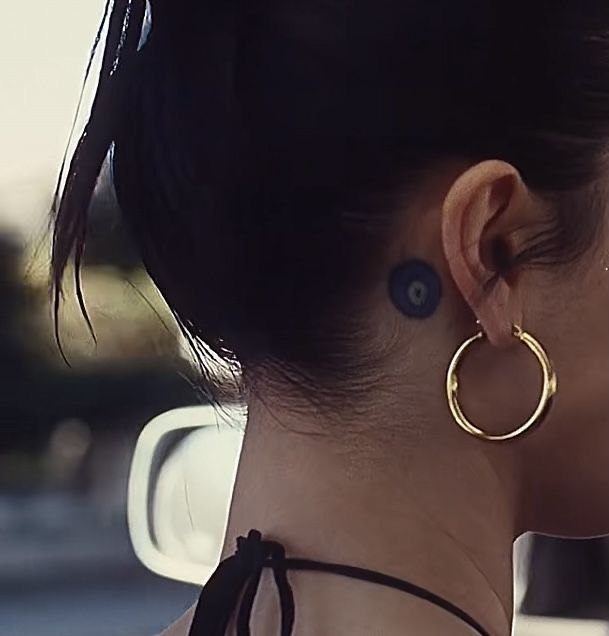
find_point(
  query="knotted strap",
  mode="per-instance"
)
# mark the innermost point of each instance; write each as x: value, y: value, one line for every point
x: 240, y: 574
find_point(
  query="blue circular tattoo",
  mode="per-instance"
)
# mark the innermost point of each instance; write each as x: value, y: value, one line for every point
x: 415, y: 289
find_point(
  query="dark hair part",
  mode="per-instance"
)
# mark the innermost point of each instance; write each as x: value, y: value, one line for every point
x: 259, y: 149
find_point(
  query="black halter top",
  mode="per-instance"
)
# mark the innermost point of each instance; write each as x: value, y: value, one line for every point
x: 239, y: 576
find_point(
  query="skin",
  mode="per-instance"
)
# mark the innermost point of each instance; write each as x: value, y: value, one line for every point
x: 404, y: 490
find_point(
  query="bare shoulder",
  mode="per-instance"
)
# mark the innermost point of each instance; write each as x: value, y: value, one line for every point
x: 181, y: 626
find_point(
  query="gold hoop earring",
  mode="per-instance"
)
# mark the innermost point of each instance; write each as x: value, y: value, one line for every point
x: 548, y: 390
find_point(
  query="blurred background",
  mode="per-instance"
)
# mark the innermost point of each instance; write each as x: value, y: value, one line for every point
x: 67, y: 432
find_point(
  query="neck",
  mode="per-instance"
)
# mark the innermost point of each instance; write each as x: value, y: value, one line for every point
x: 442, y: 521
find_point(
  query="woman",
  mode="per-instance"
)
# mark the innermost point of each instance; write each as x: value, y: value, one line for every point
x: 354, y: 205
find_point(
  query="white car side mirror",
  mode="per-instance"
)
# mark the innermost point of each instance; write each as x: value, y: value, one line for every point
x: 180, y: 487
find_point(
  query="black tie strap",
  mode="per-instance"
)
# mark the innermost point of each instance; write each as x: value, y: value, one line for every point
x: 220, y: 596
x: 239, y: 575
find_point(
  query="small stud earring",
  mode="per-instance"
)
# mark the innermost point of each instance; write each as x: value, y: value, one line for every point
x: 415, y: 289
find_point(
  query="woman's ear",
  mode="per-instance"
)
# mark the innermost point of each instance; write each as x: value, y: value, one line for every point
x: 481, y: 212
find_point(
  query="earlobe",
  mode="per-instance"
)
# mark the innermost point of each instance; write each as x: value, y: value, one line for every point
x: 474, y: 217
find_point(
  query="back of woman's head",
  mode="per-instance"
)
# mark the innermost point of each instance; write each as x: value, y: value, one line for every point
x: 262, y: 150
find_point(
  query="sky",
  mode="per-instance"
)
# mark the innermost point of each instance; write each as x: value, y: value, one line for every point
x: 44, y: 47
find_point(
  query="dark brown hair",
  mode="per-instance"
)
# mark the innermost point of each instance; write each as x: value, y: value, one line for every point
x: 258, y: 149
